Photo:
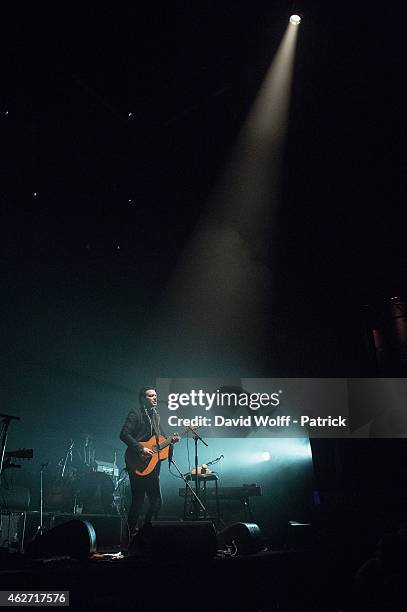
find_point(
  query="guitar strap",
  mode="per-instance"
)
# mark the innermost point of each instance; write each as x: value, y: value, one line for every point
x: 156, y: 427
x: 149, y: 418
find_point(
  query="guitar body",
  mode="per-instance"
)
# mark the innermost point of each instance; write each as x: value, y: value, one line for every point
x: 142, y: 466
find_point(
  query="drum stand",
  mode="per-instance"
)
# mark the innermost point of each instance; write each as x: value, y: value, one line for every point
x: 118, y: 497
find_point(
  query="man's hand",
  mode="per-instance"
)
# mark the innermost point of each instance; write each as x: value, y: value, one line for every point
x: 147, y: 452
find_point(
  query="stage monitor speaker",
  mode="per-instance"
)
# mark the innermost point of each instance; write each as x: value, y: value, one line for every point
x: 107, y: 527
x: 246, y: 537
x: 189, y: 540
x: 76, y: 539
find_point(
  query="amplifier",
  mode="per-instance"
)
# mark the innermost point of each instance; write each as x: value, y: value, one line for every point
x: 12, y: 529
x: 14, y: 499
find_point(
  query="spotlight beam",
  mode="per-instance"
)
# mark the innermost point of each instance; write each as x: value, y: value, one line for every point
x: 219, y: 294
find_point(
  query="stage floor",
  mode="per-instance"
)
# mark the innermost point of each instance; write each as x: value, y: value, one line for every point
x: 273, y: 580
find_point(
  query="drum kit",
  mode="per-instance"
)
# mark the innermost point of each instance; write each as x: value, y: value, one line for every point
x: 82, y: 484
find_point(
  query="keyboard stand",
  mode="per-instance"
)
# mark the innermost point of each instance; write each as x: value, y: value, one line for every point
x: 203, y: 478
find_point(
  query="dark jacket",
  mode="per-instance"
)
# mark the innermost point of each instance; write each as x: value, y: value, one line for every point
x: 136, y: 428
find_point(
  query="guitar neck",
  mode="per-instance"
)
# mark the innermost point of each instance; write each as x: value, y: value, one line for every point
x: 169, y: 440
x: 164, y: 444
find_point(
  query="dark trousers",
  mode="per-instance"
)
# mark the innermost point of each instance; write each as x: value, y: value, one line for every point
x: 140, y: 487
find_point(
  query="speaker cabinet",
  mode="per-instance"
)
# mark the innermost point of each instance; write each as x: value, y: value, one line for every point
x: 107, y: 527
x: 76, y: 539
x: 246, y: 537
x: 189, y: 540
x: 300, y: 535
x: 12, y: 528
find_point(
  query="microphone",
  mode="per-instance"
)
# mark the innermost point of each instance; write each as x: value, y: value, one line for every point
x: 215, y: 460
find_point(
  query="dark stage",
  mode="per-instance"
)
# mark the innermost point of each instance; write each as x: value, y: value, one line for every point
x: 266, y: 581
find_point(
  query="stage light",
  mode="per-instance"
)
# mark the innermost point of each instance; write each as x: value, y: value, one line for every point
x: 280, y: 450
x: 295, y: 19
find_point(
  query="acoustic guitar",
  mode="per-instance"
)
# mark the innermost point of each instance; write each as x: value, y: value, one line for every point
x: 143, y: 465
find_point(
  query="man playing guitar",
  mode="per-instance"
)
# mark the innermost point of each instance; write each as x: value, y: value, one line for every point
x: 140, y: 432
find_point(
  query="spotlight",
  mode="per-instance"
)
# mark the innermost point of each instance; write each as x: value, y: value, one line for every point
x: 295, y: 19
x: 265, y: 456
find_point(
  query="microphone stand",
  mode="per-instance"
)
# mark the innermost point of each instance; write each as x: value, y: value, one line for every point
x: 114, y: 467
x: 197, y: 437
x: 40, y: 529
x: 187, y: 485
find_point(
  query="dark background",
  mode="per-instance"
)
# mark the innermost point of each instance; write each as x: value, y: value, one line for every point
x: 88, y: 257
x: 86, y: 260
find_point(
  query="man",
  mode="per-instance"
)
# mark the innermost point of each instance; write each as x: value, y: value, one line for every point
x: 141, y: 424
